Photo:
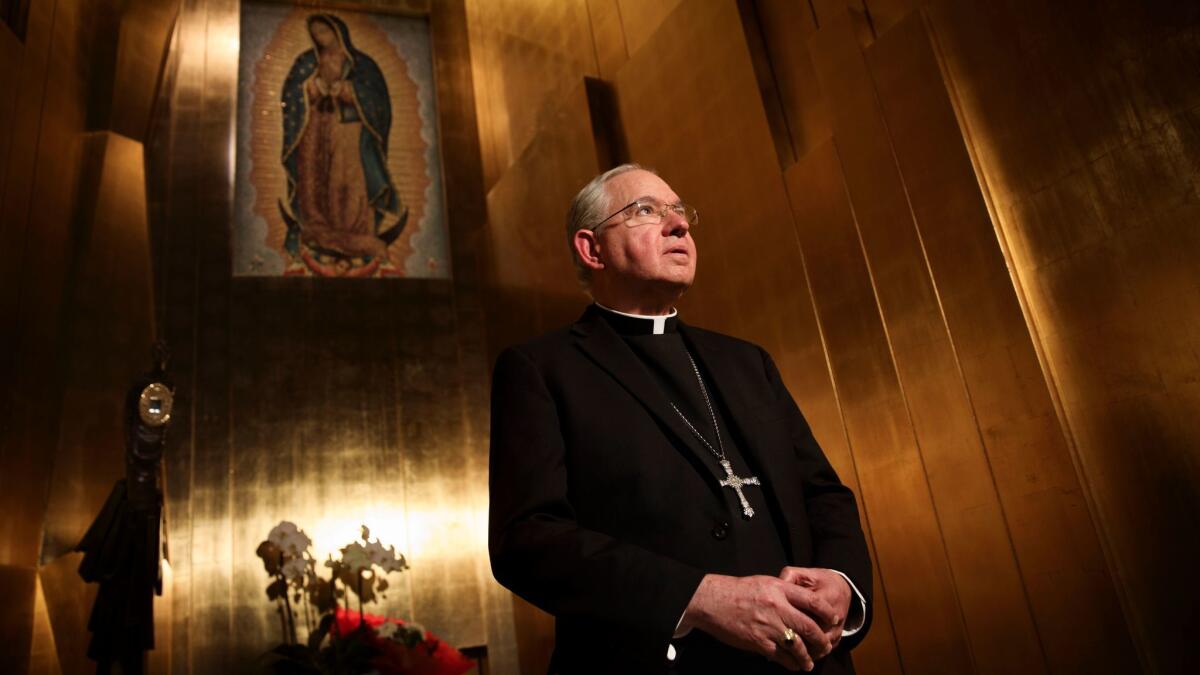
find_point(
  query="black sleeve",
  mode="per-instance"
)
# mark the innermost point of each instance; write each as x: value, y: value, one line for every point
x: 838, y: 541
x: 537, y: 548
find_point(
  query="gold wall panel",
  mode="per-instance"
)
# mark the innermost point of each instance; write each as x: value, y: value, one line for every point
x: 532, y: 280
x: 911, y: 558
x: 1079, y: 623
x: 641, y: 18
x: 107, y: 332
x: 786, y: 26
x: 43, y: 114
x: 43, y: 655
x: 329, y: 404
x: 19, y: 585
x: 11, y: 54
x: 68, y: 603
x: 145, y: 25
x: 985, y: 574
x: 527, y: 55
x: 1081, y: 125
x: 74, y: 259
x: 608, y: 35
x: 27, y: 425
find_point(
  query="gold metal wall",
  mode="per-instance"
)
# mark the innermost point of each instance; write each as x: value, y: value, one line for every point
x: 330, y: 403
x: 963, y: 230
x: 76, y: 295
x: 1081, y: 123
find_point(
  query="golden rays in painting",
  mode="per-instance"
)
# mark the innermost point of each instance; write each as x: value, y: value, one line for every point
x: 338, y: 152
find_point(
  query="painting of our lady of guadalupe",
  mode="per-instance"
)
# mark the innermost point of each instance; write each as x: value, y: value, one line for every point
x: 338, y: 172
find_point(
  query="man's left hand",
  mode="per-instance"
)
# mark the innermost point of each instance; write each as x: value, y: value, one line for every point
x: 830, y: 586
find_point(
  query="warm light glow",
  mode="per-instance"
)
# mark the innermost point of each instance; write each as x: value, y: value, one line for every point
x: 419, y: 534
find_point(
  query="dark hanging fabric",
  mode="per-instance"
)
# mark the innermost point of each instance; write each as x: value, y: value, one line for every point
x: 121, y: 554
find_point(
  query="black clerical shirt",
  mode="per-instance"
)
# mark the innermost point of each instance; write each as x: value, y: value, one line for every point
x: 757, y: 541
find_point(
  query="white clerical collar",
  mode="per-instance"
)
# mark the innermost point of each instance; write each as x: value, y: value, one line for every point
x: 660, y: 322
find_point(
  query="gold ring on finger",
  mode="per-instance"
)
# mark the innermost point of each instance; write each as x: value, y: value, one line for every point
x: 789, y: 636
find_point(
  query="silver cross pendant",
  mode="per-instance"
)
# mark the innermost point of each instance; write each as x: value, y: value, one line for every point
x: 736, y: 482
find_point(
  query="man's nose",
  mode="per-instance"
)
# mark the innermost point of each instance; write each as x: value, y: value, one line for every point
x: 675, y: 225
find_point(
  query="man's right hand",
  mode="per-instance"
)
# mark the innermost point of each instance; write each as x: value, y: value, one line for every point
x: 752, y: 613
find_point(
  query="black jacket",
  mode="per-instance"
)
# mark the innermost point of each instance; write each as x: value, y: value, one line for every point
x: 606, y: 512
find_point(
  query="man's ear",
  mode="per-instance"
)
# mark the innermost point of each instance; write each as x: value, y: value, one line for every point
x: 588, y: 249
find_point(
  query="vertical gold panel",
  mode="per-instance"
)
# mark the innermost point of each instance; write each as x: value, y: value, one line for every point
x: 43, y: 654
x: 641, y: 18
x: 19, y: 586
x: 608, y: 36
x: 987, y: 579
x: 1079, y: 622
x: 786, y: 26
x: 887, y: 13
x: 11, y: 55
x: 533, y: 280
x: 530, y: 54
x: 107, y: 335
x: 68, y: 605
x: 911, y: 554
x: 144, y: 27
x: 220, y: 629
x: 1082, y: 126
x: 35, y: 217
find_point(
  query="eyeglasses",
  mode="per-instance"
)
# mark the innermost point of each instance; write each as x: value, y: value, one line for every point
x: 643, y: 212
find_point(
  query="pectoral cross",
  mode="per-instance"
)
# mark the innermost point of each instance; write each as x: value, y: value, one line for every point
x: 736, y: 482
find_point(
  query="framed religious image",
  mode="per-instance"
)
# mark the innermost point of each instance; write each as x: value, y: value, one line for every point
x: 338, y: 164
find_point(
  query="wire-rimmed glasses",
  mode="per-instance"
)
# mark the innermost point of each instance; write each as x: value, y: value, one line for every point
x: 648, y: 212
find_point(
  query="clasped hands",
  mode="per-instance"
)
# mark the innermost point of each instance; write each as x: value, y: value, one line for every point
x: 754, y: 613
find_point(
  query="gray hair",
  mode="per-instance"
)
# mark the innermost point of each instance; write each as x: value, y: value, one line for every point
x: 591, y: 204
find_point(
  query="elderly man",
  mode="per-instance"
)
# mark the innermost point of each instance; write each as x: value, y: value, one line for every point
x: 653, y: 485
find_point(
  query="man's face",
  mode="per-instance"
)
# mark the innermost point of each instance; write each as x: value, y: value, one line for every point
x: 664, y: 252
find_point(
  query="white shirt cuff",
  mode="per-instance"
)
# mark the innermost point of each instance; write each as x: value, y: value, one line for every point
x: 680, y: 633
x: 861, y: 617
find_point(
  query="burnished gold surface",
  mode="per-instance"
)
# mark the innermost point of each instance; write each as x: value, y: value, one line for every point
x: 108, y: 329
x: 641, y: 18
x: 608, y: 34
x: 330, y: 405
x: 1029, y: 461
x: 530, y: 266
x: 967, y: 511
x: 1084, y: 143
x: 526, y: 55
x: 909, y: 543
x: 786, y: 26
x: 70, y: 289
x: 43, y: 654
x: 68, y: 604
x: 17, y: 583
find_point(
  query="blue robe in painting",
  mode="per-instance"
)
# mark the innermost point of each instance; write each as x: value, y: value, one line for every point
x: 373, y: 108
